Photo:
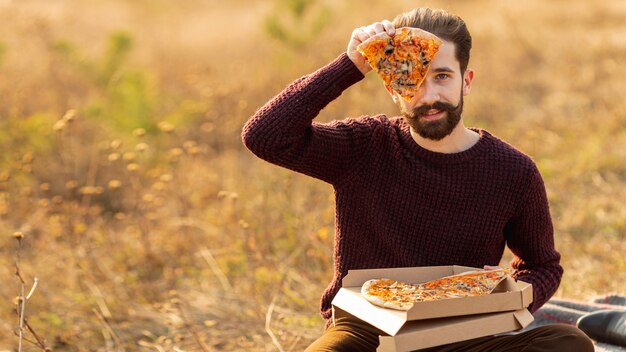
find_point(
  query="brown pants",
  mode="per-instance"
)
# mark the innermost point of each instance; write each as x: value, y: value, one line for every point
x: 352, y: 334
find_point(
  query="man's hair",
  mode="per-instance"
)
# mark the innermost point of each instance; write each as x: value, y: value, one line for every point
x: 445, y: 25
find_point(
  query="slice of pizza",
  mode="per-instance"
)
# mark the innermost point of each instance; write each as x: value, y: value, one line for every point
x: 469, y: 283
x: 401, y: 60
x: 399, y: 295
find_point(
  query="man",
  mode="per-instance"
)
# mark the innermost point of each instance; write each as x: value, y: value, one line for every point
x: 417, y: 190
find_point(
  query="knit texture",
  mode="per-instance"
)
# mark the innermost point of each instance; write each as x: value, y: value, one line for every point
x: 400, y: 205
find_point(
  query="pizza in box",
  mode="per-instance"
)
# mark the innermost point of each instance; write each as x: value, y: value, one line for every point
x: 388, y: 293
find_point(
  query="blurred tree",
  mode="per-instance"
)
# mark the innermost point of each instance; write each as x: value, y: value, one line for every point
x: 296, y: 22
x: 125, y: 96
x: 120, y: 45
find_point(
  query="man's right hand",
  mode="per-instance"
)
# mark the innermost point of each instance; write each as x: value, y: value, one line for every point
x: 361, y: 34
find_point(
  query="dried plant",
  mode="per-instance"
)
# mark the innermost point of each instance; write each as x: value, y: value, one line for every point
x: 21, y: 300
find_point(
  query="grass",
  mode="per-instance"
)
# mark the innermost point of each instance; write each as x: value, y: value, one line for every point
x: 150, y: 227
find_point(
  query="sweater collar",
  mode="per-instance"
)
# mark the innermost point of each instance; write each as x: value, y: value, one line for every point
x: 447, y: 158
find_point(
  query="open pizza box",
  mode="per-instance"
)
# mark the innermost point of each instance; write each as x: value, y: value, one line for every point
x: 434, y: 323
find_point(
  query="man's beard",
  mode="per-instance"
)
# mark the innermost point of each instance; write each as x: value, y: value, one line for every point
x: 438, y: 129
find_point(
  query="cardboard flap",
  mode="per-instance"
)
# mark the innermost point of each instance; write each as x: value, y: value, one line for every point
x: 509, y: 284
x: 523, y: 317
x: 527, y: 293
x: 387, y: 320
x: 457, y: 269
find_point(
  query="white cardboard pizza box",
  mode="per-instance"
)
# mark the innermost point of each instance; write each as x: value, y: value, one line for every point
x: 509, y: 296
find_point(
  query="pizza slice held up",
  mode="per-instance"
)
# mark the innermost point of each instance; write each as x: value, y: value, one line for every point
x: 401, y: 60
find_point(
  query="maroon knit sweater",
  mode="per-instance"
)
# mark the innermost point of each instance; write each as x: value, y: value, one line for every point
x: 400, y: 205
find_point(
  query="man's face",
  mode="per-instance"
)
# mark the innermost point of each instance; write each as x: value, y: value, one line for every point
x: 436, y: 109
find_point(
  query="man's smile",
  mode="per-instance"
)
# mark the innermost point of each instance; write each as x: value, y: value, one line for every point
x: 433, y: 114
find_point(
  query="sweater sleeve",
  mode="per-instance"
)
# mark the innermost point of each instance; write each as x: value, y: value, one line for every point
x: 530, y: 236
x: 283, y: 132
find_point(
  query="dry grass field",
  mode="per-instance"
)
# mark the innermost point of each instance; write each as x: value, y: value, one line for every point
x: 149, y: 226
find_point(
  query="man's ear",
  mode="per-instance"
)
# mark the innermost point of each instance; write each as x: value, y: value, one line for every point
x: 468, y: 77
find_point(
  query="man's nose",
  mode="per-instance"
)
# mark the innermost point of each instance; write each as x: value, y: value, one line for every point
x: 428, y: 93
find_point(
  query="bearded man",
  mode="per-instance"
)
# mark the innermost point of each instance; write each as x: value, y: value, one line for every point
x: 420, y: 189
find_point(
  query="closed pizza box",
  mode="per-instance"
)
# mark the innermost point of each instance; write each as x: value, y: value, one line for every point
x: 418, y: 334
x: 509, y: 296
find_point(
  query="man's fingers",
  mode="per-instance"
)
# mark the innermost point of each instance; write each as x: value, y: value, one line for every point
x: 378, y: 27
x: 360, y: 35
x: 369, y: 30
x: 388, y: 27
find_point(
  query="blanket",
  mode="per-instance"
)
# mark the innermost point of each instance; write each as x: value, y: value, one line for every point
x: 566, y: 311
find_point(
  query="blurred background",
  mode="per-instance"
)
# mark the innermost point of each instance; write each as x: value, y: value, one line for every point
x: 150, y: 227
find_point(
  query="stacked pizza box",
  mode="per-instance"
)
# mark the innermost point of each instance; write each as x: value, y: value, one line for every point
x: 436, y: 322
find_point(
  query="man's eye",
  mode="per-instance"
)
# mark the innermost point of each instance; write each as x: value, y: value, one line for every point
x: 441, y: 76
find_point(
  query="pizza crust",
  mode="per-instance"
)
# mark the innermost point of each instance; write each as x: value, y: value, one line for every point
x: 403, y: 32
x: 370, y: 286
x: 371, y: 298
